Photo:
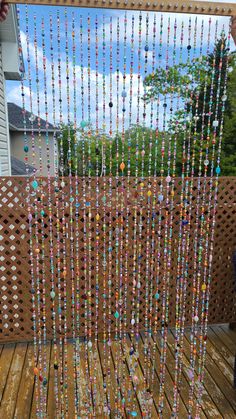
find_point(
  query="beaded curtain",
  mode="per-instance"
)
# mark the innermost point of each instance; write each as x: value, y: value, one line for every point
x: 135, y: 99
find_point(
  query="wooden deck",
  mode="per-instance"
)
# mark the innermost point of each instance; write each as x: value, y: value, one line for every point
x: 219, y: 397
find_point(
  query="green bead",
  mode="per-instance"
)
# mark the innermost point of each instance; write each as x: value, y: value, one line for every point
x: 52, y: 294
x: 83, y: 124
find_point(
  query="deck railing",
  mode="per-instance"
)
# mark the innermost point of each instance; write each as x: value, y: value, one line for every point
x: 16, y: 268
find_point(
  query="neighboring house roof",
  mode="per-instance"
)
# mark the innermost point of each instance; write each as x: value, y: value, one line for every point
x: 16, y: 122
x: 18, y: 168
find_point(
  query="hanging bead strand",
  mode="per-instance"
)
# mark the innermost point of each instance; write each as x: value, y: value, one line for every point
x: 28, y: 200
x: 165, y: 279
x: 160, y: 198
x: 76, y: 287
x: 120, y: 404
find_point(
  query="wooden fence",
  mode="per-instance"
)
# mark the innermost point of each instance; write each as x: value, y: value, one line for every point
x: 15, y: 277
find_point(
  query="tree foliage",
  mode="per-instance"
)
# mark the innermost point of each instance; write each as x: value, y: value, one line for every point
x: 199, y: 84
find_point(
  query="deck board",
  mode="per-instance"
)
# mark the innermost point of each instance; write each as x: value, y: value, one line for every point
x: 5, y: 365
x: 229, y: 337
x: 221, y: 347
x: 214, y: 403
x: 25, y: 393
x: 8, y: 403
x: 17, y: 383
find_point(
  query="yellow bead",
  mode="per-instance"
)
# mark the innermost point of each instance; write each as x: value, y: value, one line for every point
x: 203, y: 287
x: 97, y: 217
x: 142, y: 184
x: 149, y: 193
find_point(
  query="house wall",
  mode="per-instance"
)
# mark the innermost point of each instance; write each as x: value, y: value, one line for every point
x: 5, y: 166
x: 17, y: 150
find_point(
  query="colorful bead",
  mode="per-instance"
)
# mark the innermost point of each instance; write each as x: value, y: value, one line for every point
x: 34, y: 184
x: 83, y: 124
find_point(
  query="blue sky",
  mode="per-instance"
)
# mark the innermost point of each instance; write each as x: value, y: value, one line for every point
x: 13, y: 88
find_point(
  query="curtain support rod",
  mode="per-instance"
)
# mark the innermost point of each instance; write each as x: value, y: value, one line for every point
x: 180, y: 6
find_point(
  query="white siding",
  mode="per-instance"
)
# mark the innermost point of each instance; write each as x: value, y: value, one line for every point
x: 5, y: 169
x: 17, y: 151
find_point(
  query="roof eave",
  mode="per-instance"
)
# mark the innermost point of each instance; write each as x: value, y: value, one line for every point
x: 13, y: 65
x: 13, y: 128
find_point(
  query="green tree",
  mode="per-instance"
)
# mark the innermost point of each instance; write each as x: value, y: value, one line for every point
x: 228, y: 161
x: 196, y: 82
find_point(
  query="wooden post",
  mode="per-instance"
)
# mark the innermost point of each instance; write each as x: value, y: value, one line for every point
x: 179, y: 6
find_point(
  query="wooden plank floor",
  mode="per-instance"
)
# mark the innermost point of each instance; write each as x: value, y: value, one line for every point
x: 17, y: 388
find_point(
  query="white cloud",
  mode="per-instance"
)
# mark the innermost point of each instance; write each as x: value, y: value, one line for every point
x: 37, y: 92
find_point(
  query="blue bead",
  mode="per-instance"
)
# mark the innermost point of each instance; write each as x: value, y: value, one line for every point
x: 34, y: 184
x: 134, y: 414
x: 184, y: 222
x: 157, y: 296
x: 123, y: 94
x: 26, y: 149
x: 218, y: 170
x: 146, y: 48
x: 160, y: 198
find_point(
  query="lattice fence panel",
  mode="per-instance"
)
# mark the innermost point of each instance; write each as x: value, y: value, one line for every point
x: 15, y: 268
